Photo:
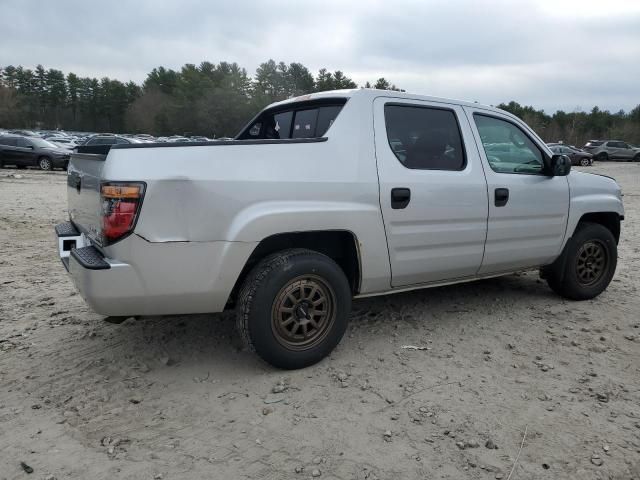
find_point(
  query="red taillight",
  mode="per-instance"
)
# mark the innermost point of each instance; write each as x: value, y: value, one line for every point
x: 120, y: 206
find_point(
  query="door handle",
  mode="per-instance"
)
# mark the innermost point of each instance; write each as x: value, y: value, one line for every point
x: 501, y: 197
x: 400, y: 198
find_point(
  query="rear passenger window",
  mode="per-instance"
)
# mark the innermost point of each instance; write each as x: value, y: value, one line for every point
x: 282, y: 124
x: 425, y: 138
x: 326, y: 116
x: 302, y: 120
x: 304, y: 125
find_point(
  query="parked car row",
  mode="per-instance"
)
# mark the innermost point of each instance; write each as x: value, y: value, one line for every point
x: 52, y: 149
x: 70, y: 140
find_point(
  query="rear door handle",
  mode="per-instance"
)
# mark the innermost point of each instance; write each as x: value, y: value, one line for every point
x: 501, y: 197
x: 400, y: 198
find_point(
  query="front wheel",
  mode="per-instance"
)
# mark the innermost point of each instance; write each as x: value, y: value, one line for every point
x: 45, y: 163
x: 602, y: 157
x: 587, y: 264
x: 294, y: 307
x: 636, y: 158
x: 585, y: 162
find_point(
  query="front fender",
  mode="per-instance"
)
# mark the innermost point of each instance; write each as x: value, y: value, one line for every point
x: 592, y: 194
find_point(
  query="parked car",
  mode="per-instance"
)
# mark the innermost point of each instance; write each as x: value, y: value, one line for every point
x: 110, y: 140
x: 24, y: 133
x: 311, y: 205
x: 577, y: 156
x: 604, y: 150
x: 63, y: 142
x: 32, y: 151
x: 101, y: 143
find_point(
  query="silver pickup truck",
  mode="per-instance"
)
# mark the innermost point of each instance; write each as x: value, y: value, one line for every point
x: 327, y: 197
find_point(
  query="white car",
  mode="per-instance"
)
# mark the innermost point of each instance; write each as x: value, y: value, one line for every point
x: 64, y: 142
x: 327, y: 197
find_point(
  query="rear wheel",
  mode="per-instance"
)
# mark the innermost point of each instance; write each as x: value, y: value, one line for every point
x: 602, y: 157
x: 587, y: 264
x: 637, y: 158
x: 293, y: 308
x: 45, y: 163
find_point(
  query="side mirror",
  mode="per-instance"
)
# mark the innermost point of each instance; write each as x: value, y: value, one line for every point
x: 560, y: 165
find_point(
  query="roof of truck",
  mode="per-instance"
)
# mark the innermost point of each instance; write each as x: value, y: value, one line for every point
x: 371, y: 92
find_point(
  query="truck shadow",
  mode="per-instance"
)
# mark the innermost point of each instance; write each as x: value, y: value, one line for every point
x: 212, y: 340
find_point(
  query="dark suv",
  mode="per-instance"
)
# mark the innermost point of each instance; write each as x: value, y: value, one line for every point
x: 612, y: 150
x: 32, y: 152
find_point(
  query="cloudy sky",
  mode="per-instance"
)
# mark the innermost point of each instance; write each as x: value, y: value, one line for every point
x: 552, y: 54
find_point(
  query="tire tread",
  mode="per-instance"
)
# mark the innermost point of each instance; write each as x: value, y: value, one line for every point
x: 254, y: 281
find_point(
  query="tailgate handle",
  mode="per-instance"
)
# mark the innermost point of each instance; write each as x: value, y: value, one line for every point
x: 75, y: 181
x: 400, y: 198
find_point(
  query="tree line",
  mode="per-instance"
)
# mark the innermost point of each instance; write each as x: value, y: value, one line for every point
x: 206, y: 99
x: 578, y: 127
x: 217, y: 99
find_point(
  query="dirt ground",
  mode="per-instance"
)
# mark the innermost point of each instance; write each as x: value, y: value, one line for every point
x: 177, y: 398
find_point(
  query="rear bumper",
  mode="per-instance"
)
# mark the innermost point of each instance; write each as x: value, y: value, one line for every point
x: 136, y: 277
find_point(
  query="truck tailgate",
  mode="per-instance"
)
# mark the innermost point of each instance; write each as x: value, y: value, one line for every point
x: 83, y: 193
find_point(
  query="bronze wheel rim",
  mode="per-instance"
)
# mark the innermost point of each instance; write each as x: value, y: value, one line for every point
x: 303, y: 312
x: 591, y: 263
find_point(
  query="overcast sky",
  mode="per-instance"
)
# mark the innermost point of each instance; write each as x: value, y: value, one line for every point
x: 548, y: 53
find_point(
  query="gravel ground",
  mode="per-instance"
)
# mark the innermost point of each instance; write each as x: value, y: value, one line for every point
x: 507, y: 369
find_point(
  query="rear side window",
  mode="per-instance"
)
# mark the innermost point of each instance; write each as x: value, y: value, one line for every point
x: 300, y: 120
x: 9, y: 142
x: 282, y: 124
x: 425, y: 138
x: 305, y: 123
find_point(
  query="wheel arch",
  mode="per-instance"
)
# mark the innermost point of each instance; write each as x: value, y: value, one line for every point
x: 609, y: 220
x: 340, y: 245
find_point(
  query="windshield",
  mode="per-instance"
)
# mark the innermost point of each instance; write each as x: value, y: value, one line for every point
x: 41, y: 143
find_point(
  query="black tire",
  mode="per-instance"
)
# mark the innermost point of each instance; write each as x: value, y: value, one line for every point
x: 602, y: 157
x: 587, y: 264
x: 45, y: 163
x: 637, y: 158
x: 585, y: 162
x: 271, y: 285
